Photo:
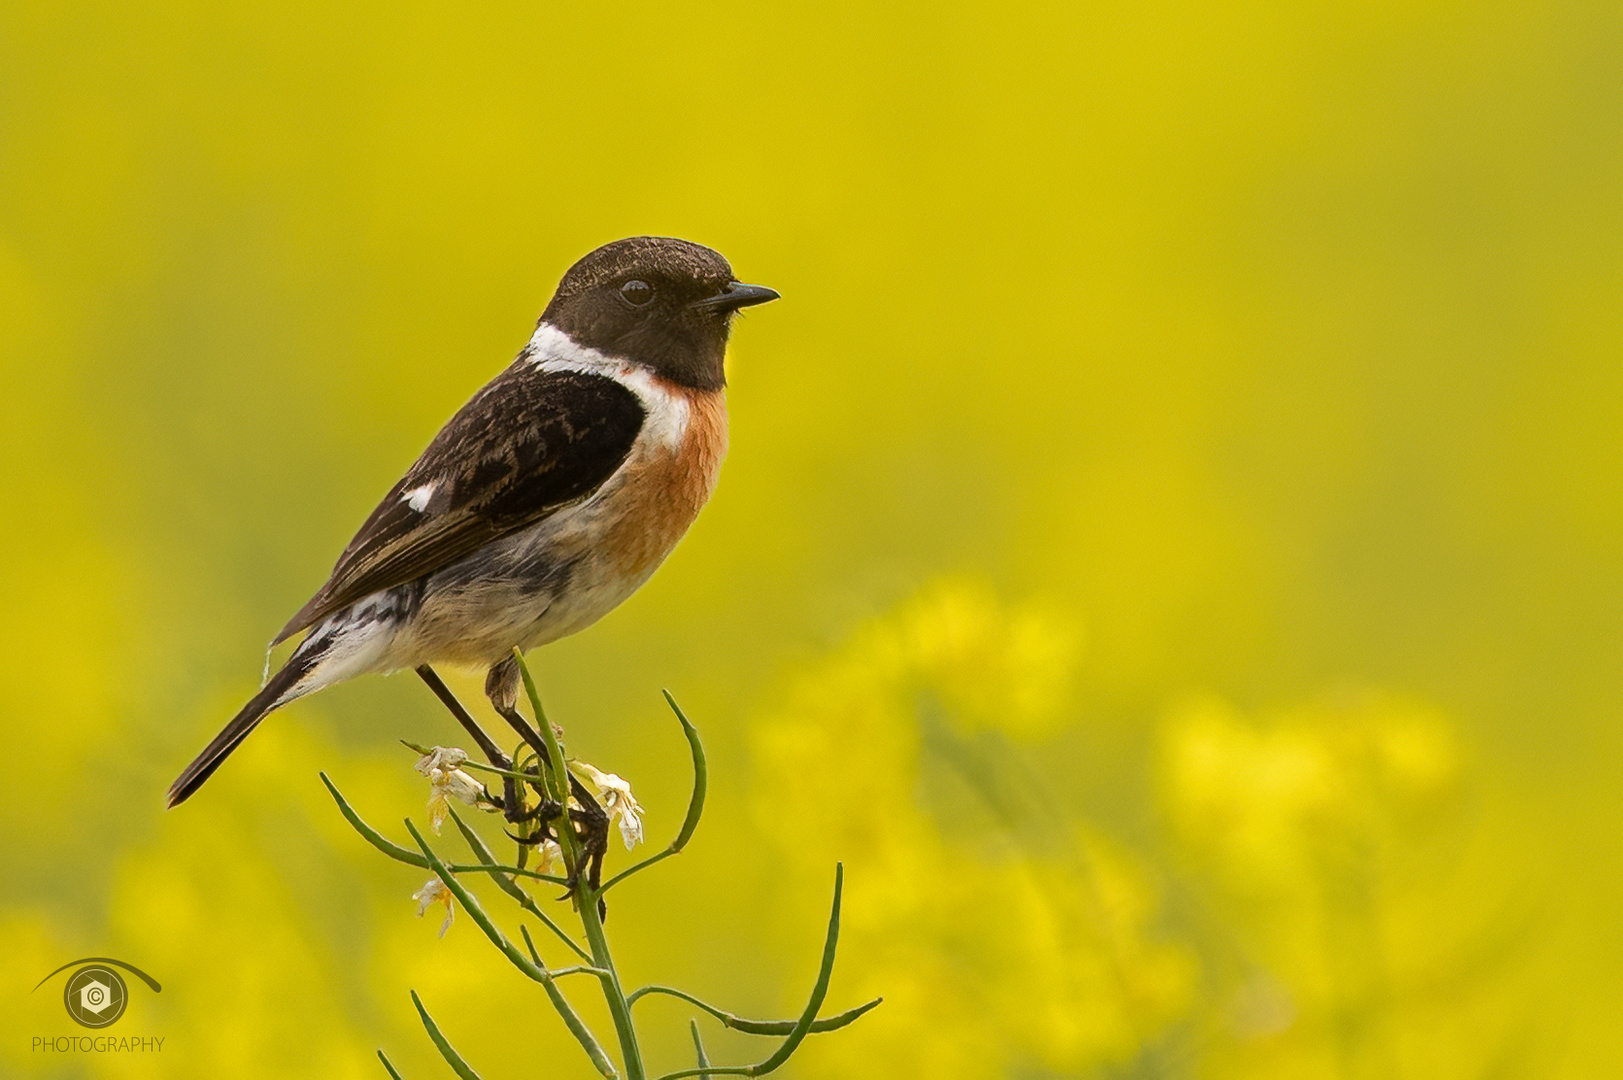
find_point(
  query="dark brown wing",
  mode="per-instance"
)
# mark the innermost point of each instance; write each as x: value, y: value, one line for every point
x: 528, y: 444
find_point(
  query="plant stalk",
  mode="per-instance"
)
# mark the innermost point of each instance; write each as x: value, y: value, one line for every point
x: 586, y: 897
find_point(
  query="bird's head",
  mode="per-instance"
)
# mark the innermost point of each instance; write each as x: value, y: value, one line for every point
x: 665, y: 303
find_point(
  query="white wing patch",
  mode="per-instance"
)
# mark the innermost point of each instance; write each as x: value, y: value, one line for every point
x: 417, y: 498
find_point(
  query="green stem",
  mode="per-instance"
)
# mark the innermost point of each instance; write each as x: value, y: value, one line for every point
x: 475, y: 910
x: 586, y: 898
x: 619, y: 1010
x: 498, y: 875
x: 497, y: 868
x: 698, y: 1046
x: 558, y: 781
x: 578, y: 969
x: 472, y: 764
x: 572, y: 1020
x: 530, y: 965
x: 513, y: 774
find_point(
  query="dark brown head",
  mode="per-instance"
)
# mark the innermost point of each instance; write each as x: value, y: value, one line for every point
x: 658, y: 301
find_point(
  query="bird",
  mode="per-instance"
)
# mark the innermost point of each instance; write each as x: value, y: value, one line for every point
x: 545, y: 501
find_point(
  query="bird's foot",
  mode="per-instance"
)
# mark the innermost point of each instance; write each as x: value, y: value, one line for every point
x: 547, y: 811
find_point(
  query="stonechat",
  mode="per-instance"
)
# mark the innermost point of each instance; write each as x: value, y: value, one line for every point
x: 545, y: 501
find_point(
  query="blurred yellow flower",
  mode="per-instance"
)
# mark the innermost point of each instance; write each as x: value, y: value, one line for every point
x: 1303, y: 838
x: 994, y: 666
x: 1267, y: 800
x: 992, y: 954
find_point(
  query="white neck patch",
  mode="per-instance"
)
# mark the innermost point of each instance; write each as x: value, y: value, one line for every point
x: 666, y: 422
x: 551, y: 349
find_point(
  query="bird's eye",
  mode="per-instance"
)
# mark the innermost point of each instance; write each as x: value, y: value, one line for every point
x: 636, y: 293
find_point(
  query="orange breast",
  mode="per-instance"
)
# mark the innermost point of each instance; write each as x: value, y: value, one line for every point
x: 665, y: 489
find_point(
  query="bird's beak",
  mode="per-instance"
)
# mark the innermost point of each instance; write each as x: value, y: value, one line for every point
x: 737, y: 295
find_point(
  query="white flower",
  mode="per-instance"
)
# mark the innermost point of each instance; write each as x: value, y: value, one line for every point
x: 447, y: 782
x: 617, y: 800
x: 435, y: 892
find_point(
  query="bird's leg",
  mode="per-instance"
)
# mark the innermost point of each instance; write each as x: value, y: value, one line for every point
x: 590, y: 815
x: 544, y: 812
x: 512, y: 798
x: 593, y: 832
x: 486, y: 744
x: 501, y: 686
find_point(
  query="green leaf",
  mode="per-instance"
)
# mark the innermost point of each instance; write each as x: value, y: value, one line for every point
x: 372, y: 836
x: 701, y: 776
x: 819, y: 991
x: 758, y: 1027
x: 698, y: 1046
x: 701, y: 784
x: 394, y: 1073
x: 452, y: 1058
x: 802, y: 1026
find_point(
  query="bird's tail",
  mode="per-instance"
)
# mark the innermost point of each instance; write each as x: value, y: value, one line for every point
x: 282, y: 688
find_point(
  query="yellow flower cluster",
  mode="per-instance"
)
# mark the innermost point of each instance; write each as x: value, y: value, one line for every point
x: 1306, y: 840
x: 991, y: 955
x: 1276, y: 925
x: 1273, y: 802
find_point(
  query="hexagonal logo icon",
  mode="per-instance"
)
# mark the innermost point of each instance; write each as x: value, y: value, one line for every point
x: 95, y: 996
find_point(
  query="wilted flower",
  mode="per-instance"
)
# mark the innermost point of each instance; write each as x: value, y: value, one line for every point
x: 440, y: 757
x: 432, y: 893
x: 447, y: 782
x: 617, y: 800
x: 547, y: 852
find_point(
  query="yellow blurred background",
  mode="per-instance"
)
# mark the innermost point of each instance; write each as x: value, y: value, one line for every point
x: 1170, y: 549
